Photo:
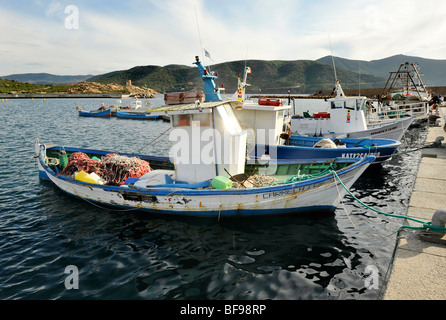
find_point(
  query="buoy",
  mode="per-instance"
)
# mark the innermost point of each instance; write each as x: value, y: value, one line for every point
x: 85, y: 177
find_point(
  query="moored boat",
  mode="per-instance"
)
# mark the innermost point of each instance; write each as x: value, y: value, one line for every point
x: 201, y: 177
x: 347, y: 119
x: 101, y: 113
x: 300, y: 147
x: 135, y: 115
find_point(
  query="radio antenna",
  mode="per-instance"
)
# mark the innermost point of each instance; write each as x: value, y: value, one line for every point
x: 332, y: 58
x: 199, y: 34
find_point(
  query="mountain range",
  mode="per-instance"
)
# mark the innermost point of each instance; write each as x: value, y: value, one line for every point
x: 277, y: 76
x: 46, y: 78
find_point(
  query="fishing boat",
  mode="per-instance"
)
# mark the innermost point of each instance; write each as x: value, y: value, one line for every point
x: 300, y: 147
x: 205, y: 175
x: 268, y: 135
x: 404, y: 95
x: 347, y: 119
x: 104, y: 113
x: 135, y: 115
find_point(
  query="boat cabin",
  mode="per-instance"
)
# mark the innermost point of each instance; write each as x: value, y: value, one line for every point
x: 208, y: 140
x: 266, y: 117
x: 346, y: 115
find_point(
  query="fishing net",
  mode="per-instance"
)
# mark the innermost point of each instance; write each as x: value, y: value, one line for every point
x: 118, y: 168
x: 79, y: 161
x: 113, y: 168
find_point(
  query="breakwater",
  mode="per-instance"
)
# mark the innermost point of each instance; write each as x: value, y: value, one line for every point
x: 62, y: 96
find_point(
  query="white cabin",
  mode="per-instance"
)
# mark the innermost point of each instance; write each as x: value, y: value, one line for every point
x: 266, y: 120
x: 347, y: 114
x: 208, y: 140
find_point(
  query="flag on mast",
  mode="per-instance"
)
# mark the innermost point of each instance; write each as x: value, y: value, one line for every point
x: 207, y: 54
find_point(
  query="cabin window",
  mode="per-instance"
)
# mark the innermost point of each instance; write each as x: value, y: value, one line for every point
x: 181, y: 120
x: 337, y: 104
x: 359, y: 104
x: 280, y: 114
x: 229, y: 119
x: 350, y: 104
x: 201, y: 119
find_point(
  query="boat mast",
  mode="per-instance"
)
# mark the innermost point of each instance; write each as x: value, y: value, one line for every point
x: 211, y: 91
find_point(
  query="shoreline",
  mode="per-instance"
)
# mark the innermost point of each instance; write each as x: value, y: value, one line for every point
x: 63, y: 96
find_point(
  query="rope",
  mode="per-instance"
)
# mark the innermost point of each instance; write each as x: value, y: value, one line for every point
x: 426, y: 225
x: 153, y: 140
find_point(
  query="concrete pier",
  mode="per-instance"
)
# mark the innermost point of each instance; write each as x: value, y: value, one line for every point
x: 419, y: 268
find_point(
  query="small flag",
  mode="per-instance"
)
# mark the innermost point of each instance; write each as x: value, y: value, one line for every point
x: 207, y: 54
x: 248, y: 70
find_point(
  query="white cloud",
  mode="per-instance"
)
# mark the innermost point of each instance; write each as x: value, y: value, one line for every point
x: 165, y: 32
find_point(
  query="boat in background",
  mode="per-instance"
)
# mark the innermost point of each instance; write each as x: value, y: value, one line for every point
x: 135, y: 115
x: 101, y: 113
x: 299, y: 147
x: 403, y: 95
x: 347, y: 119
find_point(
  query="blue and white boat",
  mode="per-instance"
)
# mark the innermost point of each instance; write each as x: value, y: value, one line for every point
x: 95, y: 113
x: 135, y: 115
x: 205, y: 175
x: 265, y: 123
x: 322, y: 148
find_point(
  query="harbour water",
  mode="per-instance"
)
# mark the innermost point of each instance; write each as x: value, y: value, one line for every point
x: 134, y: 255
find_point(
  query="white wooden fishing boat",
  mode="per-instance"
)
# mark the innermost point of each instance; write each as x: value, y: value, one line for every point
x: 347, y: 118
x: 206, y: 177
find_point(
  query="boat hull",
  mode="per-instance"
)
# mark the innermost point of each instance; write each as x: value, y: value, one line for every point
x: 392, y: 129
x: 303, y: 148
x: 135, y: 115
x: 97, y: 114
x: 321, y: 194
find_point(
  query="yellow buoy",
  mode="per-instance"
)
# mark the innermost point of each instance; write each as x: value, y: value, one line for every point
x: 85, y: 177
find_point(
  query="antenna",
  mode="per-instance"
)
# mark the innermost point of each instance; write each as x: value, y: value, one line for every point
x: 199, y: 34
x: 332, y: 59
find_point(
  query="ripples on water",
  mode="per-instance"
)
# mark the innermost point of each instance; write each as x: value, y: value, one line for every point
x: 134, y: 255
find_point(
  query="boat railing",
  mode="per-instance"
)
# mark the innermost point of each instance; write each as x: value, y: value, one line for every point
x: 381, y: 112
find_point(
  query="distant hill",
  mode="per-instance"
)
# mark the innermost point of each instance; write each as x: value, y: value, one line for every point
x: 46, y: 78
x: 12, y: 87
x: 276, y: 76
x: 300, y: 76
x: 432, y: 71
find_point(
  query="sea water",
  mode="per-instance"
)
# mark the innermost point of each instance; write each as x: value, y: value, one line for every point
x: 50, y: 242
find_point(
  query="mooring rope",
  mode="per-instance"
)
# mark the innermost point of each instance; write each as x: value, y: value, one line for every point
x: 426, y: 225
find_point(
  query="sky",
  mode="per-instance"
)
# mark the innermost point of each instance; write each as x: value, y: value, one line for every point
x: 70, y: 37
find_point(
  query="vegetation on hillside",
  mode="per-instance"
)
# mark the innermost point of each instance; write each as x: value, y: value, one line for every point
x: 302, y: 76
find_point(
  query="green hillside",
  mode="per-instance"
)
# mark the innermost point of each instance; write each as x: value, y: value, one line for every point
x: 301, y: 76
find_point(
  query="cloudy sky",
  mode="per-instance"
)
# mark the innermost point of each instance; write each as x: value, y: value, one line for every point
x: 93, y: 36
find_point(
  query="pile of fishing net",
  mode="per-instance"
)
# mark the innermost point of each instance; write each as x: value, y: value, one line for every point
x: 112, y: 168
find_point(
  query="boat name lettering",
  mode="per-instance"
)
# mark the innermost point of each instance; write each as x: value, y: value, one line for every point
x: 359, y: 155
x: 384, y: 130
x: 282, y: 193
